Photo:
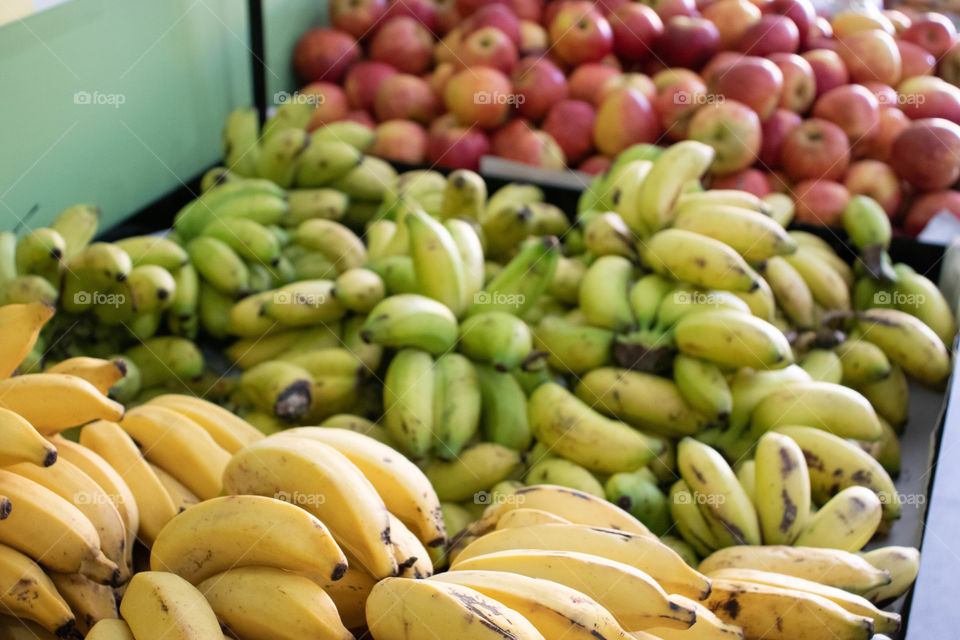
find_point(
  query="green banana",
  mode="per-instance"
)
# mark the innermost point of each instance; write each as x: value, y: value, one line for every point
x: 457, y: 403
x: 241, y: 147
x: 152, y: 287
x: 411, y: 320
x: 77, y: 226
x: 470, y: 249
x: 518, y: 286
x: 250, y: 240
x: 920, y: 297
x: 41, y: 253
x: 703, y: 386
x: 304, y: 303
x: 604, y: 293
x: 183, y: 318
x: 408, y: 401
x: 685, y: 255
x: 324, y: 161
x: 823, y: 365
x: 464, y: 195
x: 355, y: 134
x: 280, y: 156
x: 166, y: 358
x: 26, y: 289
x: 279, y: 388
x: 336, y: 242
x: 606, y: 234
x: 219, y: 265
x: 638, y: 494
x: 497, y: 338
x: 868, y: 227
x: 437, y: 264
x: 563, y: 473
x: 307, y: 204
x: 572, y: 348
x: 157, y: 250
x: 477, y: 469
x: 862, y: 362
x: 504, y: 411
x: 366, y: 181
x: 8, y: 261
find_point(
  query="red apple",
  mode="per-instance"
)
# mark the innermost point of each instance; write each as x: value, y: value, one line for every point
x: 732, y: 18
x: 580, y: 34
x: 927, y: 154
x: 324, y: 54
x: 928, y: 205
x: 494, y: 15
x: 595, y: 165
x: 487, y: 47
x: 718, y: 64
x: 877, y: 180
x: 636, y: 29
x: 520, y: 142
x: 405, y: 97
x: 624, y: 118
x: 586, y: 81
x: 404, y: 43
x: 770, y: 34
x: 820, y: 31
x: 667, y: 9
x: 932, y: 31
x: 775, y: 131
x: 356, y: 17
x: 820, y: 202
x: 949, y: 67
x: 871, y: 55
x: 752, y: 81
x: 688, y: 42
x: 447, y: 16
x: 799, y: 82
x: 570, y: 123
x: 531, y: 10
x: 916, y: 61
x: 929, y: 97
x: 361, y: 117
x: 750, y: 180
x: 423, y: 11
x: 851, y: 107
x: 331, y: 103
x: 878, y: 146
x: 481, y: 96
x: 636, y: 81
x: 606, y: 7
x: 732, y: 129
x: 400, y: 141
x: 829, y: 70
x: 678, y: 100
x: 816, y: 148
x: 362, y: 81
x: 885, y: 94
x: 801, y: 12
x: 538, y: 84
x: 533, y: 39
x: 455, y: 146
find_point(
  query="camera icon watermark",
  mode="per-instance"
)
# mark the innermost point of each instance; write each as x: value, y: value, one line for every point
x: 300, y: 499
x: 99, y: 298
x: 498, y: 97
x: 285, y: 97
x: 96, y: 98
x: 514, y: 300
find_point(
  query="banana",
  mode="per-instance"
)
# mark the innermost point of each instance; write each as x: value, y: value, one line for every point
x: 303, y: 304
x: 437, y: 264
x: 733, y: 339
x: 22, y: 443
x: 367, y: 181
x: 685, y: 255
x: 413, y: 558
x: 505, y: 228
x: 567, y: 277
x: 575, y: 431
x: 27, y: 289
x: 643, y: 400
x: 291, y: 114
x: 399, y: 608
x: 182, y: 316
x: 778, y: 613
x: 868, y: 227
x: 89, y: 601
x: 703, y: 386
x: 219, y: 265
x: 832, y: 407
x: 761, y: 301
x: 641, y: 552
x: 457, y: 402
x: 554, y: 609
x: 245, y: 318
x: 749, y: 387
x: 465, y: 195
x: 685, y: 300
x: 638, y: 494
x: 522, y: 281
x: 547, y: 219
x: 863, y: 362
x: 53, y: 531
x: 525, y: 518
x: 156, y: 250
x: 497, y: 338
x: 28, y: 593
x: 782, y: 488
x: 908, y: 342
x: 727, y: 507
x: 920, y: 297
x: 265, y: 602
x: 8, y: 261
x: 166, y: 358
x: 571, y: 348
x: 22, y: 324
x: 350, y: 506
x: 279, y: 388
x: 41, y: 252
x: 708, y: 200
x: 823, y: 365
x: 604, y: 293
x: 100, y: 263
x: 322, y: 162
x: 182, y: 496
x: 355, y: 134
x: 751, y: 234
x: 78, y: 401
x: 883, y: 622
x: 411, y: 320
x: 408, y: 400
x: 359, y: 290
x: 360, y: 425
x: 790, y: 290
x: 606, y: 234
x: 335, y: 241
x: 476, y: 469
x: 280, y: 155
x: 110, y: 629
x: 157, y: 605
x: 780, y: 207
x: 216, y: 176
x: 706, y: 627
x: 77, y: 225
x: 565, y: 474
x: 227, y: 430
x: 835, y: 464
x: 307, y: 204
x: 470, y: 249
x: 154, y: 505
x: 902, y: 563
x: 847, y: 521
x: 240, y: 531
x: 645, y: 297
x: 665, y: 182
x: 826, y: 286
x: 690, y: 522
x: 102, y: 374
x: 249, y: 239
x: 504, y: 409
x: 153, y: 288
x: 241, y: 149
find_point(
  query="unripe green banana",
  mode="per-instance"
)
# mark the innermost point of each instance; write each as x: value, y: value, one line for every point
x: 920, y: 297
x: 216, y: 176
x: 366, y: 181
x: 457, y: 403
x: 152, y: 287
x: 77, y: 225
x: 293, y: 114
x: 280, y: 156
x: 638, y: 494
x: 671, y: 172
x: 506, y: 228
x: 166, y: 358
x: 307, y: 204
x: 127, y: 387
x: 497, y: 338
x: 241, y: 148
x: 260, y: 277
x: 408, y: 400
x: 686, y: 299
x: 572, y: 348
x: 410, y: 320
x: 563, y: 473
x: 219, y: 265
x: 436, y: 260
x: 504, y: 414
x: 100, y: 265
x: 547, y: 219
x: 703, y: 386
x: 645, y: 297
x: 604, y: 293
x: 608, y: 235
x: 157, y: 250
x: 312, y: 266
x: 512, y: 193
x: 782, y: 488
x: 565, y: 285
x: 337, y: 243
x: 335, y: 377
x: 257, y: 199
x: 518, y: 286
x: 823, y: 365
x: 279, y: 388
x: 476, y: 469
x: 358, y: 136
x: 26, y: 289
x: 465, y: 195
x: 379, y: 234
x: 247, y: 317
x: 470, y: 249
x: 40, y: 253
x: 733, y: 338
x: 359, y: 290
x: 305, y: 303
x: 747, y: 477
x: 250, y: 240
x: 868, y: 227
x: 324, y: 161
x: 862, y: 362
x: 397, y: 273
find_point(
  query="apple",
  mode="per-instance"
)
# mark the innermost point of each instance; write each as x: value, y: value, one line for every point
x: 799, y: 82
x: 331, y: 101
x: 636, y: 29
x: 916, y: 60
x: 447, y: 16
x: 900, y: 21
x: 927, y: 154
x: 487, y: 47
x: 324, y: 54
x: 669, y: 77
x: 595, y: 165
x: 529, y: 10
x: 774, y: 132
x: 820, y: 202
x: 455, y: 146
x: 439, y: 78
x: 607, y: 7
x: 949, y: 67
x: 580, y: 34
x: 877, y: 180
x: 481, y: 96
x: 465, y: 8
x: 878, y: 146
x: 570, y: 123
x: 667, y: 9
x: 820, y: 32
x: 852, y: 21
x: 498, y: 16
x: 423, y: 11
x: 404, y: 43
x: 770, y: 34
x: 362, y: 81
x: 533, y: 39
x: 356, y: 17
x: 405, y: 97
x: 538, y: 84
x: 400, y: 141
x: 752, y: 81
x: 688, y: 42
x: 851, y: 107
x: 361, y: 117
x: 871, y: 55
x: 829, y: 70
x: 587, y: 79
x: 801, y: 12
x: 732, y: 129
x: 885, y: 94
x: 732, y: 18
x: 445, y: 49
x: 624, y: 118
x: 678, y: 100
x: 816, y: 148
x: 636, y: 81
x: 520, y: 142
x: 750, y: 180
x: 932, y: 31
x: 929, y: 97
x: 928, y: 205
x: 718, y: 64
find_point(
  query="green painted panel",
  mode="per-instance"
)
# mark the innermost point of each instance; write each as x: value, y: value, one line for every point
x: 115, y: 102
x: 284, y: 22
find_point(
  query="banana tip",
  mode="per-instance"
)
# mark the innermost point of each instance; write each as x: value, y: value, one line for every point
x: 50, y: 458
x: 5, y: 508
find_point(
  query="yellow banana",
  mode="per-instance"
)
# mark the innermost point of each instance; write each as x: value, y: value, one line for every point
x: 672, y: 170
x: 832, y: 407
x: 706, y: 627
x: 708, y: 200
x: 604, y: 293
x: 89, y: 601
x: 157, y: 604
x: 227, y: 430
x: 606, y: 234
x: 78, y: 401
x: 525, y: 518
x: 734, y: 339
x: 182, y: 496
x: 155, y: 250
x: 685, y: 255
x: 823, y: 365
x: 692, y: 525
x: 703, y: 386
x: 902, y: 563
x: 828, y: 289
x: 753, y: 235
x: 111, y: 630
x: 863, y: 362
x: 437, y: 264
x: 22, y: 324
x: 22, y: 443
x: 411, y: 320
x: 782, y: 488
x: 28, y: 593
x: 790, y: 290
x: 102, y: 374
x: 908, y: 342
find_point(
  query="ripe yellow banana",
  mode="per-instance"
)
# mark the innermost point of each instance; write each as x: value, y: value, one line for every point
x: 753, y: 235
x: 782, y: 493
x: 790, y: 290
x: 413, y: 559
x: 666, y: 181
x: 847, y: 521
x: 437, y: 264
x: 229, y: 431
x: 863, y: 362
x: 823, y: 365
x: 902, y: 563
x: 110, y: 630
x: 706, y: 627
x: 606, y: 234
x: 182, y: 496
x: 733, y: 339
x: 688, y: 517
x: 27, y: 592
x: 827, y: 287
x: 89, y: 601
x: 328, y: 485
x: 908, y: 342
x: 685, y: 255
x: 78, y: 401
x: 527, y: 517
x: 157, y: 605
x: 749, y: 387
x: 22, y: 324
x: 832, y: 407
x: 359, y: 290
x: 923, y: 299
x: 102, y: 374
x: 22, y: 443
x: 696, y: 200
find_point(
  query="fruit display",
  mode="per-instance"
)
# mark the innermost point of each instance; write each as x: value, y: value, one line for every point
x: 451, y: 399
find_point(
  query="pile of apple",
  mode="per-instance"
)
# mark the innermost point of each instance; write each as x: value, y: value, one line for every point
x: 861, y: 103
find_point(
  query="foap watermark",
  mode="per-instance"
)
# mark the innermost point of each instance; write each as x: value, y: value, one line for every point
x: 899, y: 299
x: 892, y: 99
x: 97, y: 98
x: 905, y: 499
x: 487, y: 498
x: 284, y: 97
x: 84, y: 497
x: 514, y: 300
x: 300, y: 499
x: 711, y: 499
x: 498, y: 97
x: 99, y: 298
x: 302, y: 299
x: 699, y: 99
x: 704, y: 298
